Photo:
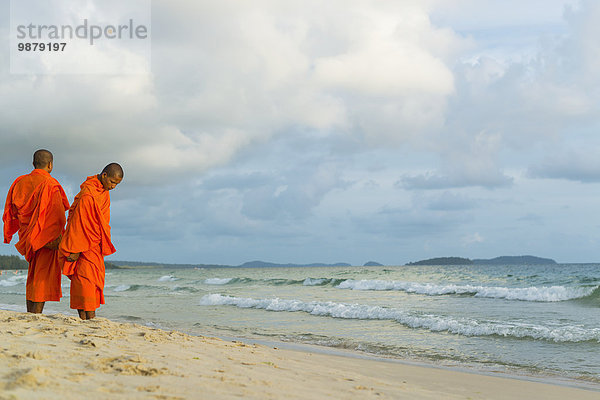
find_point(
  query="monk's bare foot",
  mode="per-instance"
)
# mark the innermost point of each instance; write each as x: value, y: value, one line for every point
x: 35, y: 307
x: 86, y: 314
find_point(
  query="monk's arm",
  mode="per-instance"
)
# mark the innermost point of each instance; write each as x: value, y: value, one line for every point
x: 82, y: 231
x: 56, y: 219
x: 73, y: 256
x: 9, y: 217
x: 53, y: 245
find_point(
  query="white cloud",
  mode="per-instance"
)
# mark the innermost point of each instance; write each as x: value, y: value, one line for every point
x: 472, y: 239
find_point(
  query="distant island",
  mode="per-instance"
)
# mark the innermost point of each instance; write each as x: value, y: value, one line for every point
x: 502, y: 260
x: 512, y: 260
x: 249, y: 264
x: 16, y: 262
x: 148, y: 264
x: 372, y: 264
x: 443, y: 261
x: 263, y: 264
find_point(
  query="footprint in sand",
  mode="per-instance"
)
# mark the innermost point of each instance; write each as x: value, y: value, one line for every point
x: 128, y: 365
x: 25, y: 378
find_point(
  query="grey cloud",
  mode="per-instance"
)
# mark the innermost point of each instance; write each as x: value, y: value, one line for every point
x: 448, y: 201
x: 431, y: 181
x: 238, y: 181
x: 293, y: 195
x: 407, y: 223
x: 580, y: 166
x: 532, y: 218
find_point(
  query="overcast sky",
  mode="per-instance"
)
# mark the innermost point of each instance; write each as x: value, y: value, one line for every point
x: 324, y: 131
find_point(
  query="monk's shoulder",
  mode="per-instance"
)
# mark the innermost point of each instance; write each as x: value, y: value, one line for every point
x: 50, y: 184
x: 86, y: 199
x: 53, y: 181
x: 24, y: 186
x: 23, y: 180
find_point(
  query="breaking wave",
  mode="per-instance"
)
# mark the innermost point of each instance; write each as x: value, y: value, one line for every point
x: 167, y: 278
x: 275, y: 281
x: 129, y: 288
x: 434, y: 323
x: 218, y: 281
x: 532, y: 293
x: 316, y: 281
x: 13, y: 280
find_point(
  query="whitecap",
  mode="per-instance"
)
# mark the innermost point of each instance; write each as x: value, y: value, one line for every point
x: 315, y: 281
x: 434, y: 323
x: 167, y: 278
x: 541, y: 294
x: 13, y: 280
x: 217, y: 281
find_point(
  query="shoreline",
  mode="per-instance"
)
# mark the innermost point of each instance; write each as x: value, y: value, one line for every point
x: 473, y: 368
x: 60, y: 356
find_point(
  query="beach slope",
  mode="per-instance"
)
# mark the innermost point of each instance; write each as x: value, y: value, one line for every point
x: 58, y: 356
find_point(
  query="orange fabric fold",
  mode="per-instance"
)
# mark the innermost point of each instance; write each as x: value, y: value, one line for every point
x: 87, y: 233
x: 35, y: 208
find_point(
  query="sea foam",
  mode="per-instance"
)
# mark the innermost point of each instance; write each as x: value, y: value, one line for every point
x: 217, y: 281
x: 434, y: 323
x: 13, y: 307
x: 315, y: 281
x: 13, y: 280
x: 533, y: 293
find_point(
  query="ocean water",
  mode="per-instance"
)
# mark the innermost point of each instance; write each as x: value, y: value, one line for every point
x: 529, y: 320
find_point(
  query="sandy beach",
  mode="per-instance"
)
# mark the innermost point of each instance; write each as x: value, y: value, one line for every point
x: 58, y: 356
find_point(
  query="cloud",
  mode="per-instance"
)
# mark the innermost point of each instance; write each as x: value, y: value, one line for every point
x: 472, y: 239
x: 448, y: 201
x: 431, y: 181
x: 504, y: 108
x: 474, y: 162
x: 269, y: 128
x: 237, y: 181
x: 401, y: 223
x: 532, y: 218
x: 581, y: 165
x: 229, y: 75
x: 288, y: 195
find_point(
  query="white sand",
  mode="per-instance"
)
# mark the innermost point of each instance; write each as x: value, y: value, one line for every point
x: 61, y: 357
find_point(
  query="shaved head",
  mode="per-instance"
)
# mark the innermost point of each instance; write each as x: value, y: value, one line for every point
x: 113, y: 170
x: 42, y: 158
x: 111, y: 176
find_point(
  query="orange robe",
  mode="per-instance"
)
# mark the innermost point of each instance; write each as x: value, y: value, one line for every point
x: 35, y: 207
x: 88, y: 233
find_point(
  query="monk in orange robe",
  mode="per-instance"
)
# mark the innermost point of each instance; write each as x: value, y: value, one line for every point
x: 87, y: 240
x: 35, y: 208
